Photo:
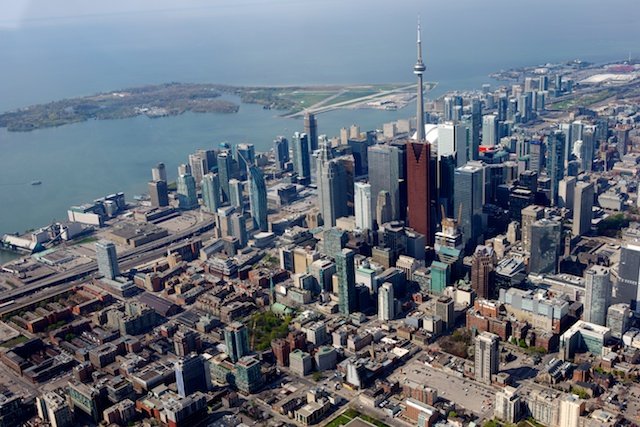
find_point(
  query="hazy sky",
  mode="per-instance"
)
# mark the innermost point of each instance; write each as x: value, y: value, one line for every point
x: 15, y: 13
x: 59, y: 48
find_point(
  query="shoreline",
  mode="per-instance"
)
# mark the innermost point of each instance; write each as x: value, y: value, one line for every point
x: 174, y: 99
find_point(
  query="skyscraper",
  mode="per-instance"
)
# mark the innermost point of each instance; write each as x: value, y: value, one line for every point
x: 622, y: 137
x: 582, y: 208
x: 597, y: 294
x: 107, y: 259
x: 238, y: 228
x: 619, y: 319
x: 159, y: 173
x: 211, y: 192
x: 236, y: 189
x: 301, y: 157
x: 386, y: 302
x: 418, y: 70
x: 468, y: 195
x: 363, y: 205
x: 587, y: 150
x: 331, y: 185
x: 487, y: 357
x: 245, y: 155
x: 545, y: 246
x: 566, y: 192
x: 354, y: 131
x: 248, y: 376
x: 187, y: 195
x: 184, y: 169
x: 333, y: 240
x: 258, y: 199
x: 474, y: 129
x: 199, y: 165
x: 359, y: 149
x: 224, y: 220
x: 385, y: 169
x: 444, y: 186
x: 192, y: 374
x: 525, y: 106
x: 281, y: 151
x: 571, y: 408
x: 629, y: 275
x: 558, y: 85
x: 210, y: 156
x: 503, y: 106
x: 345, y: 271
x: 383, y: 208
x: 158, y: 193
x: 225, y: 173
x: 543, y: 83
x: 419, y: 188
x: 236, y: 339
x: 489, y: 130
x: 452, y: 140
x: 530, y: 214
x: 311, y: 129
x: 577, y: 131
x: 445, y: 309
x: 508, y: 404
x: 481, y: 272
x: 453, y: 105
x: 52, y: 406
x: 536, y: 155
x: 555, y: 162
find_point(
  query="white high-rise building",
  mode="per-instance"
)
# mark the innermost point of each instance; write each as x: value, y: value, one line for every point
x: 597, y: 294
x: 199, y: 166
x: 159, y: 173
x: 386, y: 302
x: 571, y: 407
x: 508, y: 405
x: 489, y: 130
x: 452, y: 140
x: 487, y: 357
x: 184, y: 169
x: 582, y: 208
x: 362, y: 205
x: 566, y: 192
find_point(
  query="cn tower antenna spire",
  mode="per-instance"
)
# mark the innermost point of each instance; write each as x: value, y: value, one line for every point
x: 419, y: 41
x: 418, y: 70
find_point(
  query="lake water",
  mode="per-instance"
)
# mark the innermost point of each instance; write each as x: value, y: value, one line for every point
x: 50, y: 53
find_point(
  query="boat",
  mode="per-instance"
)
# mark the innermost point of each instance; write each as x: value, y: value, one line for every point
x: 36, y: 182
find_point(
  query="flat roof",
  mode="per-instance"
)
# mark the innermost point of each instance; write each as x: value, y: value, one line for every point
x: 359, y: 422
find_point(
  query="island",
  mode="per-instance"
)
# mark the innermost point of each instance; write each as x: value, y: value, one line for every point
x: 171, y: 99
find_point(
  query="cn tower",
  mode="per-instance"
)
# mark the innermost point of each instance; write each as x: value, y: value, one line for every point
x: 418, y: 69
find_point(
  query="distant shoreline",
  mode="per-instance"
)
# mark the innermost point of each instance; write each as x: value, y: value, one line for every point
x: 172, y: 99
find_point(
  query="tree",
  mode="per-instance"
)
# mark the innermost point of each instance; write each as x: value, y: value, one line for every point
x: 612, y: 225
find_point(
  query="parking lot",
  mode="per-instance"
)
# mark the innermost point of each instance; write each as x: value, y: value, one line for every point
x: 465, y: 393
